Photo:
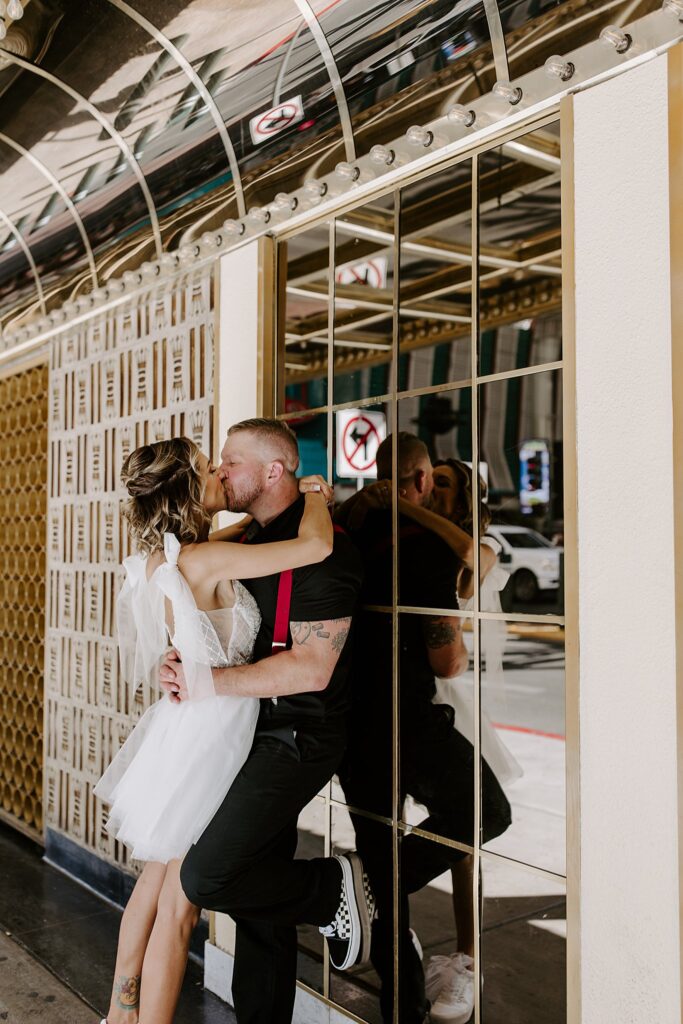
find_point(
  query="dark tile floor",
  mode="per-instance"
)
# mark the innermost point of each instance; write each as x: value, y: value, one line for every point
x: 73, y: 932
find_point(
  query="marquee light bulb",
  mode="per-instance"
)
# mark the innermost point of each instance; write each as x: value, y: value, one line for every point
x: 558, y: 67
x: 460, y: 114
x: 15, y: 10
x: 347, y: 171
x: 283, y: 202
x: 419, y: 136
x: 512, y: 94
x: 314, y: 189
x: 3, y: 30
x: 169, y: 261
x: 382, y: 155
x: 258, y: 215
x: 150, y: 270
x: 234, y: 228
x: 614, y: 36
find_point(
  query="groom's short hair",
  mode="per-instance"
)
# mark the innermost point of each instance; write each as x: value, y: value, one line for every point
x: 278, y: 439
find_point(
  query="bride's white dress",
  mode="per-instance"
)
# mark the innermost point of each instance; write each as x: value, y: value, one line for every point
x: 175, y: 768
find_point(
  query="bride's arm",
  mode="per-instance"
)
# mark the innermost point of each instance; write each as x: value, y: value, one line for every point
x: 457, y: 539
x: 232, y: 532
x: 210, y: 562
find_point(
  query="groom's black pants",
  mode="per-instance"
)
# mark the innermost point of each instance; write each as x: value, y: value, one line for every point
x: 244, y: 865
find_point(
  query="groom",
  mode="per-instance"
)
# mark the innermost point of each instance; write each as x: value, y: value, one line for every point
x: 244, y: 863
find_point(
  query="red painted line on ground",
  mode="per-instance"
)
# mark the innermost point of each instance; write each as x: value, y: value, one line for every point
x: 529, y: 732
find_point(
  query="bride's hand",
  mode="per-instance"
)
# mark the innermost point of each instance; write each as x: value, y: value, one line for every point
x: 308, y: 484
x: 172, y: 677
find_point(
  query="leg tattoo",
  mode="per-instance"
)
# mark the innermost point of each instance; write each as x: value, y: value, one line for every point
x: 127, y: 992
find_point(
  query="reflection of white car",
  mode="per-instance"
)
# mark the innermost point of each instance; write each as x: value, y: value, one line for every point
x: 532, y: 561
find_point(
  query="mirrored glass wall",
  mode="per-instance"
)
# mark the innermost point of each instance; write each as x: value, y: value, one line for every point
x: 419, y: 336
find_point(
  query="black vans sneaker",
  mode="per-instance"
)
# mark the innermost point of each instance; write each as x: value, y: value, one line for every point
x: 348, y: 936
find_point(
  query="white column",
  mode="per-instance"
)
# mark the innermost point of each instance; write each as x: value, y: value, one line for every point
x: 238, y: 325
x: 236, y: 391
x: 628, y: 862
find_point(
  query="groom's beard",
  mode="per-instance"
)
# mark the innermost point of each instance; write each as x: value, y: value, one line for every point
x: 242, y: 499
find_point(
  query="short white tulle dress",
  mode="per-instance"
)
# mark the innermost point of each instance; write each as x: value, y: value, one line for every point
x: 172, y: 773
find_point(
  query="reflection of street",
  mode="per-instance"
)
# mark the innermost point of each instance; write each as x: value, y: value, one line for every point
x: 531, y: 693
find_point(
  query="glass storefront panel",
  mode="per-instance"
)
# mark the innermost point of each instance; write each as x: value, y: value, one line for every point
x: 430, y: 641
x: 438, y: 927
x: 358, y: 990
x: 302, y: 328
x: 436, y: 275
x: 436, y: 748
x: 364, y: 301
x: 520, y: 253
x: 311, y: 435
x: 521, y: 452
x: 523, y: 946
x: 523, y: 739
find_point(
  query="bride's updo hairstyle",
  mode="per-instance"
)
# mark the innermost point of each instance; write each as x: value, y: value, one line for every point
x: 166, y: 491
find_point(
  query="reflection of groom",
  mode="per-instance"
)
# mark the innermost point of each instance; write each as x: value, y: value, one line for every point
x: 244, y: 862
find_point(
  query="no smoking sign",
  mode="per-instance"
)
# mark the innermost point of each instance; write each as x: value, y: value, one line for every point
x: 359, y: 435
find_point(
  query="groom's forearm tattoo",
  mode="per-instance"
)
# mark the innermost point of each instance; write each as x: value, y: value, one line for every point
x: 334, y: 630
x: 439, y: 633
x: 127, y: 992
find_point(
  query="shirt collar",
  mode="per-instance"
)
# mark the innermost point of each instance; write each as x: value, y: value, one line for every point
x: 290, y: 515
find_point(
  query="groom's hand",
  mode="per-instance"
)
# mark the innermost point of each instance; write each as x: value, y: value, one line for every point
x: 172, y: 677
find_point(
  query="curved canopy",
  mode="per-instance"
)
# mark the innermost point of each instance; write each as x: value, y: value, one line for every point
x: 123, y: 125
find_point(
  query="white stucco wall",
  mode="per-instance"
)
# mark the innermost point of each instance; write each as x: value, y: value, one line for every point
x: 629, y: 874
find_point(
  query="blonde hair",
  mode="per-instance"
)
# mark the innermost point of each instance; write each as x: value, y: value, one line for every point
x: 279, y: 438
x: 166, y: 493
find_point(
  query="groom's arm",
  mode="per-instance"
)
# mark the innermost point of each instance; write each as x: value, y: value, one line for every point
x: 306, y: 668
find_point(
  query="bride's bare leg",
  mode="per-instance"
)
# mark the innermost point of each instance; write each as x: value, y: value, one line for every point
x: 136, y: 927
x: 165, y: 960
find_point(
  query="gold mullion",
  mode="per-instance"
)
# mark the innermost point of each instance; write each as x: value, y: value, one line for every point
x: 432, y: 389
x: 395, y: 725
x: 474, y: 358
x: 330, y: 477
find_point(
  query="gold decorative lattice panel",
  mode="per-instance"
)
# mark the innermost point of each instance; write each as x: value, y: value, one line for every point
x: 135, y: 375
x: 23, y: 506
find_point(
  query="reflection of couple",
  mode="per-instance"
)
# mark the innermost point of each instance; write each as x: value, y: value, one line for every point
x: 436, y: 761
x: 209, y: 785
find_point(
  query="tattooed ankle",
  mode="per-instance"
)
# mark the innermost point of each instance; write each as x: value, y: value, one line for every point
x: 127, y: 992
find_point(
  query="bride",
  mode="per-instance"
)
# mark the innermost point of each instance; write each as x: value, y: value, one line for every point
x: 174, y: 770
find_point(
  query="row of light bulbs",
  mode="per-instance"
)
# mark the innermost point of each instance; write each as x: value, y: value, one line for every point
x: 10, y: 10
x: 310, y: 194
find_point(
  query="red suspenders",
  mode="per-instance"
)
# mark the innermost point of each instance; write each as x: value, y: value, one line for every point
x: 282, y: 607
x: 284, y: 602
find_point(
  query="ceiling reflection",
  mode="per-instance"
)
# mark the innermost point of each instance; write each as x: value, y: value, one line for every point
x: 169, y: 117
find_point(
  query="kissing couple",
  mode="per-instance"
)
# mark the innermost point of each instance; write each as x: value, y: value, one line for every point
x: 208, y: 787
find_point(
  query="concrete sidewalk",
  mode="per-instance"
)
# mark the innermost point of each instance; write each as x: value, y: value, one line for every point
x: 29, y: 992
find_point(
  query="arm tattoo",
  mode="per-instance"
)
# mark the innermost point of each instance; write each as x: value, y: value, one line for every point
x: 339, y: 639
x: 439, y: 633
x: 127, y: 991
x: 304, y: 631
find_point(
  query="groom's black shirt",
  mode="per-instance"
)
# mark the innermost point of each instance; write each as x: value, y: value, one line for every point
x: 326, y: 590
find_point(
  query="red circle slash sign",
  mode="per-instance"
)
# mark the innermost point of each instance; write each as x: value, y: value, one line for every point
x: 277, y: 119
x: 360, y: 441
